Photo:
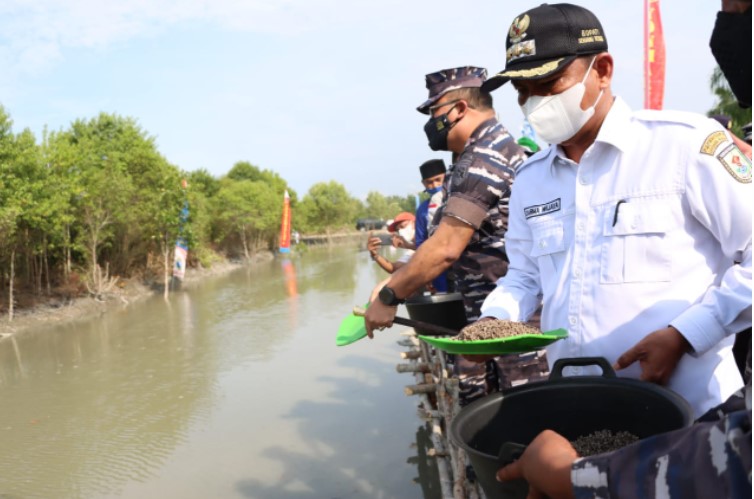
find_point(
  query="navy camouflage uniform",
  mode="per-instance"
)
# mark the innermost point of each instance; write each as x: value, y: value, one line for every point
x: 477, y: 190
x: 710, y: 459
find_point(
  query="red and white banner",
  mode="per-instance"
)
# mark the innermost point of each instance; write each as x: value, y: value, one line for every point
x: 654, y: 56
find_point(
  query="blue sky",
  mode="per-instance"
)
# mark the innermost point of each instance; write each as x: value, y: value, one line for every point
x: 316, y: 90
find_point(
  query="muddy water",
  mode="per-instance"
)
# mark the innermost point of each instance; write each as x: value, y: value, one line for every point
x: 231, y: 389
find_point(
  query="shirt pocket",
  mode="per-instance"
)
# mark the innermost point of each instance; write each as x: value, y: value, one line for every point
x: 548, y: 248
x: 635, y: 246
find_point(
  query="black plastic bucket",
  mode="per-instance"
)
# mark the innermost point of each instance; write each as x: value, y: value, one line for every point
x: 572, y: 406
x: 441, y: 309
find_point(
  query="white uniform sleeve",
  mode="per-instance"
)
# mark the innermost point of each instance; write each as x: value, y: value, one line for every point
x: 518, y: 293
x: 720, y: 199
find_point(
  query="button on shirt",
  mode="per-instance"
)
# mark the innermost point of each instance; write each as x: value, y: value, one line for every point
x: 642, y: 234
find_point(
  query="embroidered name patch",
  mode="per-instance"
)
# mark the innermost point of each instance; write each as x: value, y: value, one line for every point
x: 542, y: 209
x: 736, y: 163
x: 712, y: 142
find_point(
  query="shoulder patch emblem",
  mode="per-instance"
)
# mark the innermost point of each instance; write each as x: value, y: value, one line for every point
x: 712, y: 142
x: 736, y: 162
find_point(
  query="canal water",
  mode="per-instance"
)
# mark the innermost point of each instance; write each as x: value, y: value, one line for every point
x: 231, y: 389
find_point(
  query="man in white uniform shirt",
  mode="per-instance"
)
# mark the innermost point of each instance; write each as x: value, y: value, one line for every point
x: 628, y: 226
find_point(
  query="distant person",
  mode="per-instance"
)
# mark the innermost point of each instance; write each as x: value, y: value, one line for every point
x: 469, y: 239
x: 628, y: 225
x: 433, y: 178
x: 402, y: 234
x: 529, y: 145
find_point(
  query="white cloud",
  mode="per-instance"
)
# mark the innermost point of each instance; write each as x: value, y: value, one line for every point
x: 34, y: 33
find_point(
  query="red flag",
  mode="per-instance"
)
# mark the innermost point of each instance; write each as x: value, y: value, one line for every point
x: 654, y: 56
x: 285, y: 225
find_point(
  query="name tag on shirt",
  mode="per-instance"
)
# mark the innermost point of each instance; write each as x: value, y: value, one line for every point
x: 542, y: 209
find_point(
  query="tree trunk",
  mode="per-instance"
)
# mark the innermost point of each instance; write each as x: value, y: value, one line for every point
x: 46, y: 261
x: 166, y: 254
x: 67, y: 252
x: 10, y: 290
x: 245, y: 243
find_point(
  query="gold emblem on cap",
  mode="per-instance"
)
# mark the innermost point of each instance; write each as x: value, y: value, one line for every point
x: 542, y: 70
x: 520, y: 49
x: 518, y: 28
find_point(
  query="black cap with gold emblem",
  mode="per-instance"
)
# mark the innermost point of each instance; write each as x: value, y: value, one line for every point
x: 543, y: 40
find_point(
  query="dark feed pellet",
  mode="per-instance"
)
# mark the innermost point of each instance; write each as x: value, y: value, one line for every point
x: 602, y: 441
x: 488, y: 330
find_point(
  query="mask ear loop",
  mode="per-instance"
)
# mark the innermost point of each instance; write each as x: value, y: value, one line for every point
x: 583, y: 81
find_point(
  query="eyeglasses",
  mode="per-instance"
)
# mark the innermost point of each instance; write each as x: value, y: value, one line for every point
x: 432, y: 109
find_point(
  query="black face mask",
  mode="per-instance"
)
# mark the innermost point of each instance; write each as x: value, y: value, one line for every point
x: 731, y: 46
x: 437, y: 129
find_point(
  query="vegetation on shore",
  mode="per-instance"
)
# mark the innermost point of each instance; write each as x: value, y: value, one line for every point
x: 95, y: 202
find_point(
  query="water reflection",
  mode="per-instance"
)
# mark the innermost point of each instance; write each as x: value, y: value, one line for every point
x: 238, y: 378
x: 339, y: 443
x: 428, y: 477
x: 116, y: 403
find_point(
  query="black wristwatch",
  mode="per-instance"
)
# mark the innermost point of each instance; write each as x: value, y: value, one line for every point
x: 387, y: 297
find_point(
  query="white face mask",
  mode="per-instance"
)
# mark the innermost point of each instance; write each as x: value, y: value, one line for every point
x: 407, y: 233
x: 557, y: 118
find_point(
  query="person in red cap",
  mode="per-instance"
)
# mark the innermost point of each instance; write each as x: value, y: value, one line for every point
x: 402, y: 230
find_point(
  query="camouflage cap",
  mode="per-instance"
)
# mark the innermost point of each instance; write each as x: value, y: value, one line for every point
x: 545, y: 39
x: 444, y: 81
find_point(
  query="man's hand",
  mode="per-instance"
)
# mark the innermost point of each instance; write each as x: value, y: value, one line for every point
x: 658, y: 355
x: 378, y: 316
x: 546, y: 465
x: 373, y: 245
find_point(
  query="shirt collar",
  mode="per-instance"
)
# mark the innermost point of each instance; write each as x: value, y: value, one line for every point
x: 614, y: 129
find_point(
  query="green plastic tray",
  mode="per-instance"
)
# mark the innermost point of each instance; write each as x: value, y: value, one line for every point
x: 512, y: 344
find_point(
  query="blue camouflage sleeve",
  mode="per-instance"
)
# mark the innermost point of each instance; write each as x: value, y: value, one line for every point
x: 706, y: 460
x: 478, y: 184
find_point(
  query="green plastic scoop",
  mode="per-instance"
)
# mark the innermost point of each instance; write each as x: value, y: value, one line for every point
x: 511, y: 344
x: 352, y: 328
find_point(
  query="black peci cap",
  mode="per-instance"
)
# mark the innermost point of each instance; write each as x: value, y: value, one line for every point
x: 432, y: 168
x: 545, y: 39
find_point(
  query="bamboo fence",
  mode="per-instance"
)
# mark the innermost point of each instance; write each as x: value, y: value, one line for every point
x: 437, y: 393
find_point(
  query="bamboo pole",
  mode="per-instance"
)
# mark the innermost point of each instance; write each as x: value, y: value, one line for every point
x: 439, y: 449
x: 414, y: 367
x: 409, y: 342
x: 411, y: 354
x: 436, y: 389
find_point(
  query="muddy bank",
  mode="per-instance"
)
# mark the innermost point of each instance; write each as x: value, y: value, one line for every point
x: 128, y: 291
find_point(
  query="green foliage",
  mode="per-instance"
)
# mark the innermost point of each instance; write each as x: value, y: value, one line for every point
x: 327, y: 206
x: 203, y: 182
x: 243, y: 170
x: 727, y: 103
x: 99, y: 194
x: 247, y: 211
